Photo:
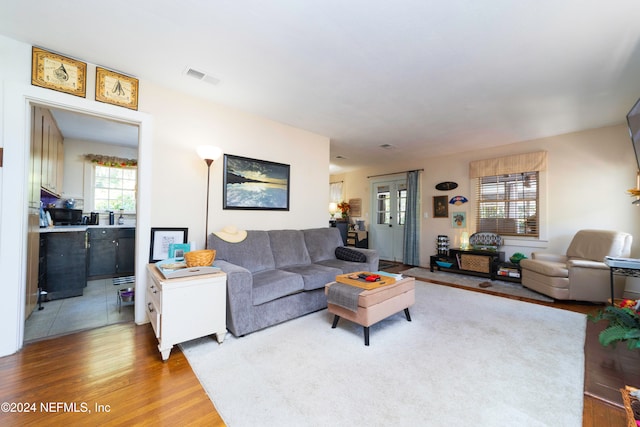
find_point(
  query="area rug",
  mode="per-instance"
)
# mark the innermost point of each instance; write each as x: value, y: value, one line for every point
x: 465, y: 359
x: 473, y: 282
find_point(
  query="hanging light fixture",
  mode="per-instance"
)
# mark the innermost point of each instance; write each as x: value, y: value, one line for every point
x: 209, y: 154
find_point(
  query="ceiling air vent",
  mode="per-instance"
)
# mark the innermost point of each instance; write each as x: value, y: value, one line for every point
x: 386, y: 146
x: 191, y: 72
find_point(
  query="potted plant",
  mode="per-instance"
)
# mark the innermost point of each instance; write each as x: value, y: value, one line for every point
x: 624, y: 323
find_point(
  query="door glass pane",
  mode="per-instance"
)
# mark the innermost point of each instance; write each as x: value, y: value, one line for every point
x: 402, y: 203
x: 383, y: 213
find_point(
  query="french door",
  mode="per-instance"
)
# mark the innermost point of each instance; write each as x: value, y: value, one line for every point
x: 389, y: 213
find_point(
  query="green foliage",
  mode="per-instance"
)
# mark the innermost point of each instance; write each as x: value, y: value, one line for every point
x: 624, y: 325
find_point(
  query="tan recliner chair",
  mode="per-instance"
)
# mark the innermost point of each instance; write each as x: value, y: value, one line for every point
x: 581, y: 274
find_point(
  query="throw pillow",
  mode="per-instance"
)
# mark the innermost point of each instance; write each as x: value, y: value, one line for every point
x: 347, y: 254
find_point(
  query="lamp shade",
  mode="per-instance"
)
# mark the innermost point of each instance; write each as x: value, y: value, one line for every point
x: 333, y: 208
x: 208, y: 152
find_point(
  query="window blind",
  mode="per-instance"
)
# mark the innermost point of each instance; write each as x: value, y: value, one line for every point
x: 508, y: 204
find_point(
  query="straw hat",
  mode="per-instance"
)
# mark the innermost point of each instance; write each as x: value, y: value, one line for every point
x: 231, y: 234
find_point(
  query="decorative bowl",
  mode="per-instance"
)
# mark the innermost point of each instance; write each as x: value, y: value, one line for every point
x: 444, y: 264
x: 201, y: 258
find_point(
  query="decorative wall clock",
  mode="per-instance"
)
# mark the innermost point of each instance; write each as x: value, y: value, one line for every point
x: 446, y: 186
x: 57, y: 72
x: 117, y: 89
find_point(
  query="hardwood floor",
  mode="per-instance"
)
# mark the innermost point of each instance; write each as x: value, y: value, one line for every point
x: 115, y: 373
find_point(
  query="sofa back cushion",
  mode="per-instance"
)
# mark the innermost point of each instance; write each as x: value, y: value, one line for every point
x: 322, y: 243
x: 288, y: 248
x: 253, y: 253
x: 596, y: 244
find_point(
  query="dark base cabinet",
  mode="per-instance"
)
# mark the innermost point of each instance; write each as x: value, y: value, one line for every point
x: 65, y: 264
x: 111, y: 252
x: 472, y: 262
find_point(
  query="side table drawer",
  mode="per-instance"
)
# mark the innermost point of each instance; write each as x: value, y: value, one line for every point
x: 153, y: 313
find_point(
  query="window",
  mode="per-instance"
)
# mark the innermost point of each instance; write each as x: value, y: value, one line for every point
x: 402, y: 204
x: 508, y: 204
x: 115, y: 188
x: 384, y: 213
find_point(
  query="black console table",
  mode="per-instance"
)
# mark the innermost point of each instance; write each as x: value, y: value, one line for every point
x: 469, y: 261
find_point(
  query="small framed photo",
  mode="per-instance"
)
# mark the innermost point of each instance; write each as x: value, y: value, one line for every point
x: 117, y: 89
x: 57, y: 72
x: 177, y: 250
x: 440, y: 207
x: 162, y: 238
x: 459, y: 219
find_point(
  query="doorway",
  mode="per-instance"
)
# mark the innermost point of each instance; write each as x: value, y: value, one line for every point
x: 389, y: 198
x: 98, y: 303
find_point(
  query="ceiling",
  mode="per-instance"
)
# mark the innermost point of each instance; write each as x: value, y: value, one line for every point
x: 421, y: 77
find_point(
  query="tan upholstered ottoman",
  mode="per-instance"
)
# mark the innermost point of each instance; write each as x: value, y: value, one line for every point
x: 377, y: 304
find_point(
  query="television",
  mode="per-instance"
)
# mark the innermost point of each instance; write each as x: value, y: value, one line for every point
x: 633, y: 121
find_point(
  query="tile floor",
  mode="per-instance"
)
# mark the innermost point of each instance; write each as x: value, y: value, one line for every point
x: 98, y: 306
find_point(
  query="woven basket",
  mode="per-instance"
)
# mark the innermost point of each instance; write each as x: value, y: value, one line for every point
x: 626, y: 400
x: 477, y: 263
x: 202, y: 258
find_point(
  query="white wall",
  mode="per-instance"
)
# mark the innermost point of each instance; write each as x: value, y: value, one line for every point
x: 172, y: 178
x: 179, y: 191
x: 74, y: 165
x: 586, y: 182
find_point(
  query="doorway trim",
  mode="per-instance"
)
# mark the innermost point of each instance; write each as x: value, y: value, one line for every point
x: 16, y: 119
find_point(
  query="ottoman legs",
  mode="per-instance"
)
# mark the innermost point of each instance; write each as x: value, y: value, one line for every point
x: 336, y: 318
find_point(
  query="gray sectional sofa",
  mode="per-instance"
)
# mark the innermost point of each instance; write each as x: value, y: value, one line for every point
x: 277, y: 275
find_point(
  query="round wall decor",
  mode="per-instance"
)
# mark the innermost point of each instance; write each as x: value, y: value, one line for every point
x: 447, y: 185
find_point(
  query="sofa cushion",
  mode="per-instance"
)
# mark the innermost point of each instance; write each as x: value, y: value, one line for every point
x: 345, y: 266
x: 547, y: 268
x: 322, y: 243
x: 253, y: 253
x: 288, y: 248
x: 270, y: 285
x: 315, y: 276
x: 348, y: 254
x: 596, y: 244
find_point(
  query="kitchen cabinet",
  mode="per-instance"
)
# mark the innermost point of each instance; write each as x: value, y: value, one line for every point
x: 50, y: 147
x: 66, y: 264
x: 111, y: 252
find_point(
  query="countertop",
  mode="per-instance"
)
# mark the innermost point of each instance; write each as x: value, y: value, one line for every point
x: 72, y: 228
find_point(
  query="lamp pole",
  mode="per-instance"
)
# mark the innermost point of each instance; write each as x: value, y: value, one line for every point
x: 209, y: 154
x: 206, y: 218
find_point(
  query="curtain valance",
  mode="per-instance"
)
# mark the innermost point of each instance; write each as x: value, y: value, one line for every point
x: 529, y: 162
x: 111, y: 161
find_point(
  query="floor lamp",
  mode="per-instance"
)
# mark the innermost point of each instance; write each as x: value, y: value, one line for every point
x: 209, y: 154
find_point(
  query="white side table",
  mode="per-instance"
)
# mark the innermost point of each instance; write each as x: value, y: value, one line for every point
x: 186, y: 308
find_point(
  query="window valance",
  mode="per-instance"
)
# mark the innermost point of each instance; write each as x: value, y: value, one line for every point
x: 520, y: 163
x: 111, y: 161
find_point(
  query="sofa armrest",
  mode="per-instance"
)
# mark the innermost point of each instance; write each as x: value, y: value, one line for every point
x: 587, y: 263
x: 239, y: 297
x: 373, y: 259
x: 543, y: 256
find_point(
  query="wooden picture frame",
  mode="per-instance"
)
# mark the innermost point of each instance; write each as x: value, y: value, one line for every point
x: 117, y: 89
x: 440, y: 207
x: 162, y: 238
x: 255, y: 184
x: 355, y: 208
x: 57, y: 72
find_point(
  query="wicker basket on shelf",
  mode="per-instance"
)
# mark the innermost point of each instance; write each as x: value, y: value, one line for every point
x: 201, y: 258
x: 627, y: 400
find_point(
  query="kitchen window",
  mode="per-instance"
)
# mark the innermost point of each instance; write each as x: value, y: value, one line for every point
x: 114, y: 188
